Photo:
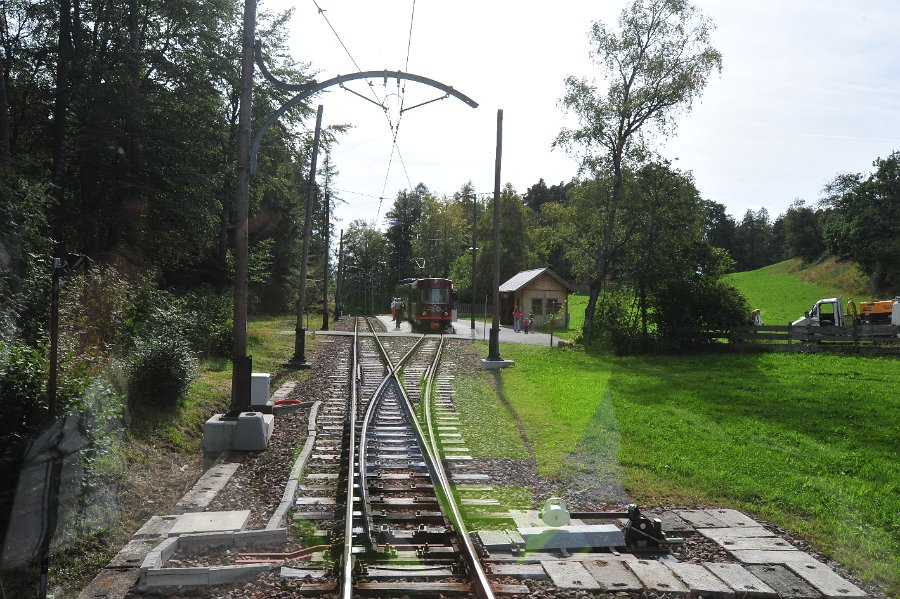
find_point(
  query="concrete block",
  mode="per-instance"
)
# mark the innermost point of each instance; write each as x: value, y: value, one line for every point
x: 521, y: 571
x: 206, y: 488
x: 153, y: 560
x: 758, y: 543
x: 719, y: 535
x: 758, y: 556
x: 569, y: 574
x: 111, y: 584
x: 742, y: 582
x: 171, y: 577
x: 232, y: 574
x: 702, y: 518
x: 496, y: 364
x: 133, y: 554
x: 218, y: 434
x: 155, y: 527
x: 510, y: 589
x: 209, y: 540
x: 825, y: 580
x: 544, y: 538
x: 657, y: 577
x: 671, y: 522
x: 259, y: 389
x: 734, y: 518
x: 500, y: 540
x: 700, y: 581
x: 195, y: 522
x: 167, y: 549
x: 253, y: 431
x: 613, y: 576
x: 269, y: 537
x: 787, y: 584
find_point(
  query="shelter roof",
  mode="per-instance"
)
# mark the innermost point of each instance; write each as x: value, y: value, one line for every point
x: 527, y: 276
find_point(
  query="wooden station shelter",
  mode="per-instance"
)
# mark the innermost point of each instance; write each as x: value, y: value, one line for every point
x: 540, y: 292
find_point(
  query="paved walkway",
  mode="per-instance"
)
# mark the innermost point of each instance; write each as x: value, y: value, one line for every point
x: 463, y: 330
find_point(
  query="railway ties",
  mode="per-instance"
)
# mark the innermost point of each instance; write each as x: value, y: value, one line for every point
x: 401, y: 537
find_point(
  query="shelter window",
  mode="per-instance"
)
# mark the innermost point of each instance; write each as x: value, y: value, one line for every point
x: 537, y: 306
x: 552, y: 305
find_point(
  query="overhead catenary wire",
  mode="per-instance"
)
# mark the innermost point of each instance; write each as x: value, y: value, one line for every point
x: 396, y: 128
x: 381, y: 102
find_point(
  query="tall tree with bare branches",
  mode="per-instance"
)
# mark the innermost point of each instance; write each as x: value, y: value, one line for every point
x: 655, y: 65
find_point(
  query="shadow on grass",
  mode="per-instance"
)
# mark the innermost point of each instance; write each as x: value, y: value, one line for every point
x: 497, y: 380
x: 592, y: 471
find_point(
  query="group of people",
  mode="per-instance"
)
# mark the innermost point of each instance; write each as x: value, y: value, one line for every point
x: 397, y: 308
x: 520, y: 324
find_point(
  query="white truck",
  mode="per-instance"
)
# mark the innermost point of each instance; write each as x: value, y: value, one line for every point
x: 828, y: 313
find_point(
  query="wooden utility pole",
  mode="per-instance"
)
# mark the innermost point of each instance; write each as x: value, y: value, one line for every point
x: 242, y: 364
x: 327, y: 235
x: 494, y: 343
x: 338, y: 283
x: 474, y: 251
x: 299, y: 359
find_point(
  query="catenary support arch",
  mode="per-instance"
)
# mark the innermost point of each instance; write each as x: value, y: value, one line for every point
x: 307, y: 89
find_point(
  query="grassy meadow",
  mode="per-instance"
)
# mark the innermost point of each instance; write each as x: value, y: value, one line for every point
x: 809, y: 442
x: 784, y: 291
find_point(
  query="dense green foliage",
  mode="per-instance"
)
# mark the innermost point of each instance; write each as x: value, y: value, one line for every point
x: 864, y: 221
x: 799, y: 440
x: 160, y: 369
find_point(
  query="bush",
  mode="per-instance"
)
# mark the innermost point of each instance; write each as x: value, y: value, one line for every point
x: 202, y: 317
x: 211, y: 326
x: 692, y: 304
x: 160, y: 371
x: 93, y: 311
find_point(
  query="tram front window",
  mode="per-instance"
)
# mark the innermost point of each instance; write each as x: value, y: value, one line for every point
x: 435, y: 296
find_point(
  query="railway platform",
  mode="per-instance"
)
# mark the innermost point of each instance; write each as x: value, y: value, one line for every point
x: 463, y: 330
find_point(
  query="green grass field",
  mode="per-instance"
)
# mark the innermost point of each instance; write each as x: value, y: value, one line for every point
x: 809, y: 442
x: 782, y: 294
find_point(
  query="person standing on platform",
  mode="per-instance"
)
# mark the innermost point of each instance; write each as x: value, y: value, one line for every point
x: 398, y: 312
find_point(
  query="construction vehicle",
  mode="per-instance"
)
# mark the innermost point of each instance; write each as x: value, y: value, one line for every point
x: 828, y: 313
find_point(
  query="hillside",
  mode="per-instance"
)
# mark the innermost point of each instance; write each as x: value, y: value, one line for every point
x: 783, y: 291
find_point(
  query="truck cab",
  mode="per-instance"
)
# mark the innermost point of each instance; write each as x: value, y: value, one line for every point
x: 824, y: 313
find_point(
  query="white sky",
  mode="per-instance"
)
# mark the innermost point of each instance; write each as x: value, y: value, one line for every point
x: 809, y: 88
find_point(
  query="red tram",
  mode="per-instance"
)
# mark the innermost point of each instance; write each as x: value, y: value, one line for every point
x: 428, y: 303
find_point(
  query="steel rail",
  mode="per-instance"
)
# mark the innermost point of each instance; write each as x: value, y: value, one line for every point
x: 438, y: 474
x: 347, y: 554
x: 479, y: 577
x: 370, y: 411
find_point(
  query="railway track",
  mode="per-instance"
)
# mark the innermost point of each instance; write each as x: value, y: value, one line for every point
x: 402, y: 527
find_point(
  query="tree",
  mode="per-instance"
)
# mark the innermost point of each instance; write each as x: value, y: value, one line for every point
x: 803, y: 234
x: 515, y: 239
x: 402, y: 218
x: 441, y: 235
x: 864, y: 220
x: 753, y: 237
x: 657, y: 64
x: 719, y: 226
x: 366, y: 282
